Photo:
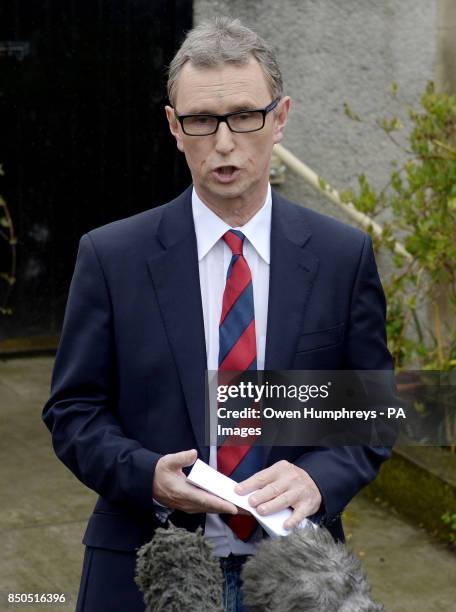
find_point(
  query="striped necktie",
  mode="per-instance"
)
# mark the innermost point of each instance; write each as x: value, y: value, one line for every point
x: 237, y: 353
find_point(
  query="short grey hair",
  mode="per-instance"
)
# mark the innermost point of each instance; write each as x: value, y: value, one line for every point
x: 224, y: 40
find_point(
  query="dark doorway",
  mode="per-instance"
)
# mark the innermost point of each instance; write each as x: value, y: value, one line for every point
x: 83, y: 136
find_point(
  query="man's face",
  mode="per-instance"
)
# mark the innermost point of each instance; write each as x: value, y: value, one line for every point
x: 227, y: 166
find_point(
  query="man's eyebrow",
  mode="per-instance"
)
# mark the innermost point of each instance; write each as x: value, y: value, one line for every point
x: 244, y: 107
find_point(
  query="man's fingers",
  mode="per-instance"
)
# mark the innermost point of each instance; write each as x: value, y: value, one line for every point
x: 206, y: 502
x: 299, y: 514
x: 279, y: 503
x: 171, y: 488
x: 270, y: 491
x: 182, y: 459
x: 257, y: 481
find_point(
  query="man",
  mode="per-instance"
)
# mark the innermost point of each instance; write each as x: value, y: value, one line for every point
x: 146, y: 317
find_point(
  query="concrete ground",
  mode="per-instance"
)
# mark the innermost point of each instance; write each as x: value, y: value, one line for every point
x: 44, y: 510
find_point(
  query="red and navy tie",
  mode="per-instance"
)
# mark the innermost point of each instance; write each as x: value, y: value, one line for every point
x: 237, y: 353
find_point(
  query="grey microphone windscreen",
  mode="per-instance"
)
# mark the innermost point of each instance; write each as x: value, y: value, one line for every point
x: 177, y: 571
x: 306, y: 571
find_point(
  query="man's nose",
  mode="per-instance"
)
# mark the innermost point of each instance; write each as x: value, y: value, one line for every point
x: 224, y: 141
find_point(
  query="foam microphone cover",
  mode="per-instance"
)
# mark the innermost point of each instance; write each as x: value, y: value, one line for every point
x: 177, y: 571
x: 306, y: 571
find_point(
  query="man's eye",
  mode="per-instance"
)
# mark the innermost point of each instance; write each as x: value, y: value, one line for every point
x: 244, y: 116
x: 202, y: 120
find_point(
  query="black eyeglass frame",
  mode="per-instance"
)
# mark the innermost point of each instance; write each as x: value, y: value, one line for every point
x: 224, y: 118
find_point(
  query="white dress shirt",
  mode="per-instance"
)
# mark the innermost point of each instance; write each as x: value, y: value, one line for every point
x: 214, y: 257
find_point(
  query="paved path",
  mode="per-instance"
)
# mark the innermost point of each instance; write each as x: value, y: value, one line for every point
x: 44, y: 510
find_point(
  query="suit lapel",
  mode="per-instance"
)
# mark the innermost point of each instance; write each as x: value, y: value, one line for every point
x: 293, y: 268
x: 175, y: 276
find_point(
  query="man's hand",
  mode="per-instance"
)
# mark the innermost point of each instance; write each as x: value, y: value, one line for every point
x: 171, y: 489
x: 280, y: 486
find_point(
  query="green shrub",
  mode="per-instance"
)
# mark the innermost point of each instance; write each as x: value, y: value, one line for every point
x: 421, y: 199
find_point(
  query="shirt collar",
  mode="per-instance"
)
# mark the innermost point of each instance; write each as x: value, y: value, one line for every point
x: 209, y: 227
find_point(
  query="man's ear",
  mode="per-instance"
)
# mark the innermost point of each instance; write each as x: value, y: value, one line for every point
x: 174, y: 127
x: 280, y: 118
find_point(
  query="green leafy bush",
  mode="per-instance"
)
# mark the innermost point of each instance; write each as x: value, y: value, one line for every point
x: 419, y: 205
x: 420, y: 198
x: 450, y: 519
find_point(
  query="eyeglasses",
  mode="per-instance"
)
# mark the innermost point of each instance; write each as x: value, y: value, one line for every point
x: 239, y: 122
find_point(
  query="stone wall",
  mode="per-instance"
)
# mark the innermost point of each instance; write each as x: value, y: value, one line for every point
x: 446, y: 44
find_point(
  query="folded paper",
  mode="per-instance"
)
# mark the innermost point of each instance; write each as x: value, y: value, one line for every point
x: 205, y: 477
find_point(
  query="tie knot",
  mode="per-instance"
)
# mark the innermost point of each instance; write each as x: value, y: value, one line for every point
x: 235, y: 240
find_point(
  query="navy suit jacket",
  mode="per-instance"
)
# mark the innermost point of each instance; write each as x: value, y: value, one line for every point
x: 129, y: 379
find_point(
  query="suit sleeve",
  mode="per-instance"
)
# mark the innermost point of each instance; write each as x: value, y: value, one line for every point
x: 340, y: 473
x: 80, y: 412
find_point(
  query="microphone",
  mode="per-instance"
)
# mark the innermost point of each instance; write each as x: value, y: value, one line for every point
x: 177, y: 571
x: 306, y: 571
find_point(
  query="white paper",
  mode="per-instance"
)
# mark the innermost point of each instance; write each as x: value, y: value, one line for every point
x: 205, y: 477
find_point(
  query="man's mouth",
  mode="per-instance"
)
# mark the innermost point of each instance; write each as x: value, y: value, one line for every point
x: 226, y: 174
